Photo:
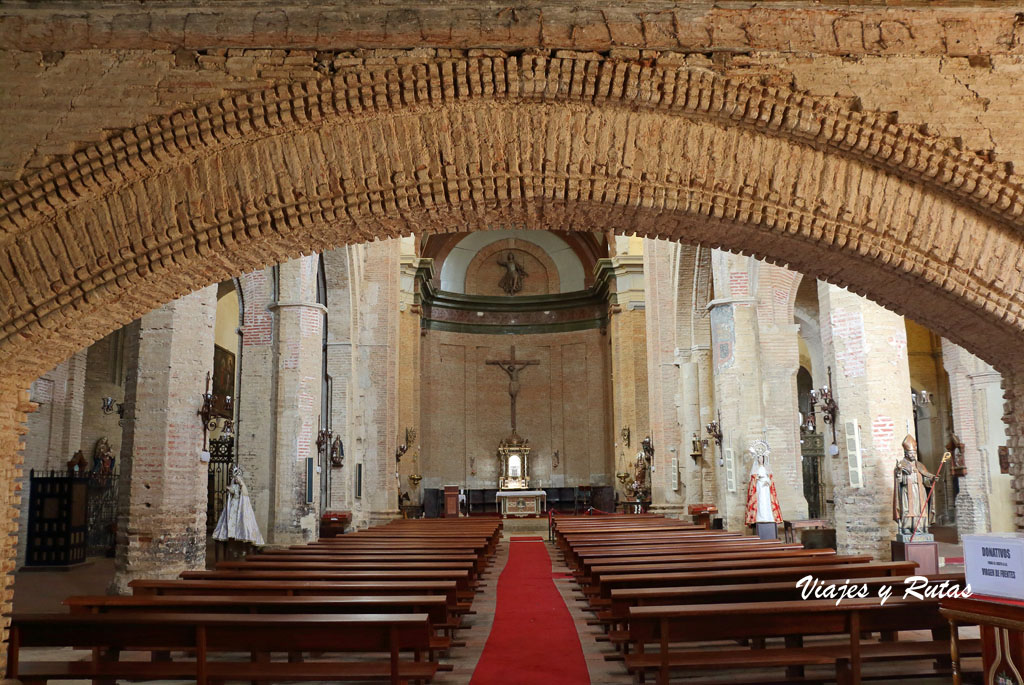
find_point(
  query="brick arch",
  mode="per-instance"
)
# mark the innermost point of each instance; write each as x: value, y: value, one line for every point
x: 551, y: 143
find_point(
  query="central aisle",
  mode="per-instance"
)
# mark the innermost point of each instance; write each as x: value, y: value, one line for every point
x: 533, y: 638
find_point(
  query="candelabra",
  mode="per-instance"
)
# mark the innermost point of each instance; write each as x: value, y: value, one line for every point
x: 109, y: 404
x: 823, y: 401
x: 714, y: 430
x: 214, y: 407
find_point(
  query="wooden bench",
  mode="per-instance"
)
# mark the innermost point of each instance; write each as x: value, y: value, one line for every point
x: 434, y: 606
x: 586, y: 563
x: 480, y: 563
x: 625, y: 598
x: 461, y: 577
x: 287, y: 565
x: 299, y: 588
x: 110, y: 634
x: 666, y: 626
x: 609, y: 583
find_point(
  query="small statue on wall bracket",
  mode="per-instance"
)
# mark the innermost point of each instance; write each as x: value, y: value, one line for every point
x: 512, y: 281
x: 337, y: 453
x: 956, y: 448
x: 555, y: 460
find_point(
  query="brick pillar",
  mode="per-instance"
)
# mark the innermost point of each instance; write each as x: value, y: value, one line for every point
x: 1013, y: 393
x: 409, y: 369
x: 65, y: 429
x: 14, y: 410
x: 669, y: 492
x: 375, y: 387
x: 983, y: 502
x: 866, y: 346
x: 161, y: 528
x: 254, y: 432
x: 298, y: 341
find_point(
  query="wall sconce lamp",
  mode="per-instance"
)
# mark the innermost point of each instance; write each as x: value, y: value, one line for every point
x: 108, y: 407
x: 410, y: 437
x: 714, y: 430
x: 823, y: 401
x: 920, y: 398
x: 214, y: 407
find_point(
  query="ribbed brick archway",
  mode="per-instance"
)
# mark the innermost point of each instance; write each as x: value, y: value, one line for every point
x: 576, y: 144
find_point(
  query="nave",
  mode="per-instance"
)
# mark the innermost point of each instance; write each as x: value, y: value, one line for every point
x: 608, y: 599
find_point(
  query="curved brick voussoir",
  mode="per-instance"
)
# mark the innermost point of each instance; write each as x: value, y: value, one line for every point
x: 605, y: 82
x: 538, y: 142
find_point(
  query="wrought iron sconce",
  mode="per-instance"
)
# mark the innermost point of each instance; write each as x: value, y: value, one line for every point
x: 108, y: 407
x: 214, y: 407
x: 920, y: 399
x: 714, y: 430
x: 625, y: 435
x: 823, y: 401
x: 410, y: 437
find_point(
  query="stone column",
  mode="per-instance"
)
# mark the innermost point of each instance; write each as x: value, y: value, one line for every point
x: 866, y: 347
x: 256, y: 415
x: 296, y: 392
x: 669, y: 487
x: 409, y: 369
x: 983, y: 503
x: 1013, y: 392
x: 627, y: 329
x: 162, y: 510
x: 14, y: 410
x: 375, y: 408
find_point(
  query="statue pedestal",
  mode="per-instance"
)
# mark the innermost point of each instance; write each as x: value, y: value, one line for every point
x: 924, y: 552
x: 767, y: 531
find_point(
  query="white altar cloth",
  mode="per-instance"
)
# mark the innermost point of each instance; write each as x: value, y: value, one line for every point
x: 521, y: 502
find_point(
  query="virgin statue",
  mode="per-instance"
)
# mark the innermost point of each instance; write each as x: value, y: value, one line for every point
x: 762, y: 501
x: 238, y: 521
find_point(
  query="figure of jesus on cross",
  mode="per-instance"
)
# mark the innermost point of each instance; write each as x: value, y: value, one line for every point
x: 512, y: 367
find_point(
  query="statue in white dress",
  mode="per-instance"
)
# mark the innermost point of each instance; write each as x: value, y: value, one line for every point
x: 238, y: 521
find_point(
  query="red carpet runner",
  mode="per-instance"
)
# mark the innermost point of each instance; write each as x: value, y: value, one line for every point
x: 533, y: 639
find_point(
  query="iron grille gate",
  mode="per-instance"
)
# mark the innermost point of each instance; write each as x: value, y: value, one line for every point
x: 102, y: 513
x: 222, y: 458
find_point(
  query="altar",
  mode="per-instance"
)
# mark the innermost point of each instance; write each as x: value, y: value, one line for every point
x: 521, y: 502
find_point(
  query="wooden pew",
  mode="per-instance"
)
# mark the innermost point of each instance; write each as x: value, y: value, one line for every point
x: 623, y: 599
x: 222, y: 633
x: 461, y: 577
x: 479, y: 564
x: 257, y: 588
x: 609, y: 583
x: 468, y: 566
x: 586, y: 563
x: 671, y: 625
x: 434, y: 606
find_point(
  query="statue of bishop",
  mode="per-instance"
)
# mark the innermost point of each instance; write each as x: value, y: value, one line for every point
x: 909, y: 494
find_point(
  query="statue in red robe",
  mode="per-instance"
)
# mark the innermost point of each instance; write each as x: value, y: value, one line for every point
x: 762, y: 500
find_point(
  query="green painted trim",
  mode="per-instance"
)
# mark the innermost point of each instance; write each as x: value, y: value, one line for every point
x: 512, y: 329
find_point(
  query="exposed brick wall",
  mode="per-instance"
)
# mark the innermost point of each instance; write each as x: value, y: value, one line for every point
x: 563, y: 404
x: 161, y: 527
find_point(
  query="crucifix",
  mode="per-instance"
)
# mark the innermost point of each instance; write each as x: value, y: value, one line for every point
x: 512, y: 367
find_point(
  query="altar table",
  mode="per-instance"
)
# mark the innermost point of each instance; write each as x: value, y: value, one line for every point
x: 521, y: 502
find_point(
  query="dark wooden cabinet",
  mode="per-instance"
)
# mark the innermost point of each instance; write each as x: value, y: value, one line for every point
x: 57, y: 519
